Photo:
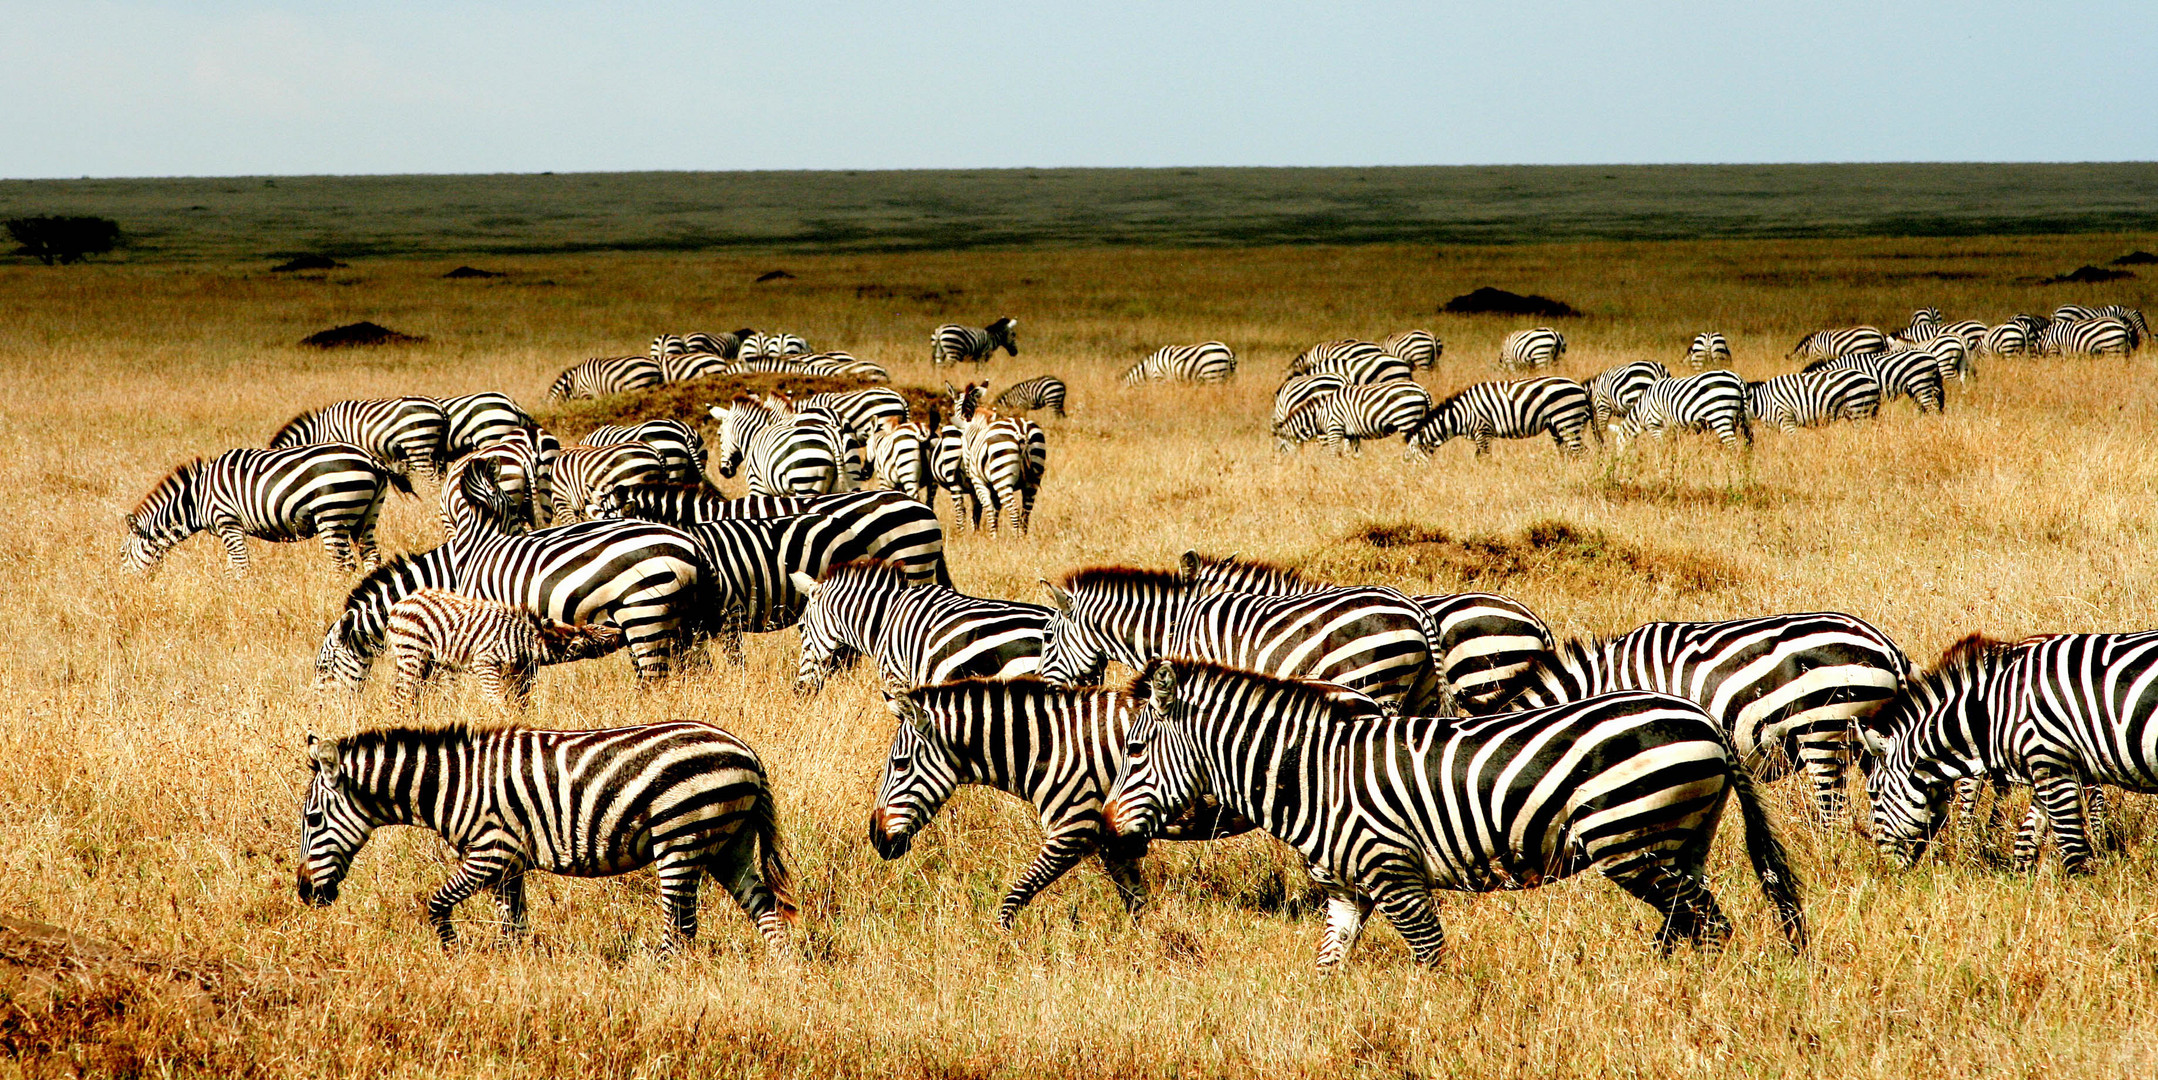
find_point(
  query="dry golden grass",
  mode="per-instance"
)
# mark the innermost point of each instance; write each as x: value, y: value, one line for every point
x: 150, y: 729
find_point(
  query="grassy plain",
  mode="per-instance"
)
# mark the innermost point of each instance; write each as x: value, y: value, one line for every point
x: 151, y: 729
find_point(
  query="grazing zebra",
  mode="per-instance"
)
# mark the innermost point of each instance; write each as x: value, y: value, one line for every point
x: 1925, y: 325
x: 361, y: 629
x: 1331, y: 355
x: 1419, y: 347
x: 917, y: 634
x: 1362, y: 367
x: 1533, y: 348
x: 475, y: 420
x: 604, y: 375
x: 1039, y: 392
x: 1343, y: 419
x: 437, y: 630
x: 1055, y: 747
x: 1813, y: 398
x: 2057, y: 712
x: 1374, y: 640
x: 958, y: 344
x: 644, y: 578
x: 1004, y: 460
x: 683, y: 798
x: 861, y: 411
x: 2140, y: 331
x: 770, y: 347
x: 404, y: 434
x: 1385, y: 809
x: 2011, y: 338
x: 1786, y: 688
x: 676, y: 443
x: 1707, y: 350
x: 1507, y: 410
x: 1208, y: 361
x: 1843, y: 341
x: 682, y: 367
x: 331, y: 490
x: 1711, y: 401
x: 899, y: 455
x: 1914, y: 374
x: 1613, y: 391
x: 1970, y: 331
x: 851, y: 525
x: 1299, y: 390
x: 584, y: 474
x: 782, y: 454
x: 1952, y: 358
x: 2090, y: 337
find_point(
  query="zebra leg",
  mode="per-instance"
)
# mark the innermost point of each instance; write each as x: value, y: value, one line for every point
x: 679, y: 877
x: 1130, y: 884
x: 481, y: 868
x: 2061, y: 794
x: 1690, y: 912
x: 235, y: 547
x: 339, y: 548
x: 412, y: 671
x: 1407, y: 904
x: 509, y: 894
x: 1060, y: 852
x: 735, y: 868
x: 1823, y: 761
x: 2103, y: 834
x: 1346, y: 911
x: 1015, y: 513
x: 2029, y: 837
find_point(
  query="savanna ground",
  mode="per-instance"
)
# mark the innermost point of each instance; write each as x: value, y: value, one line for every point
x: 151, y: 729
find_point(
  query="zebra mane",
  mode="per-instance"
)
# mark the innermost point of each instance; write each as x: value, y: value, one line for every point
x: 380, y: 579
x: 863, y: 569
x: 181, y: 476
x: 407, y: 737
x: 1961, y: 664
x: 1096, y: 577
x: 1235, y: 569
x: 1341, y: 703
x: 277, y: 437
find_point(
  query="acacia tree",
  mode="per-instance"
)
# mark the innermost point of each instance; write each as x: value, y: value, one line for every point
x: 53, y: 238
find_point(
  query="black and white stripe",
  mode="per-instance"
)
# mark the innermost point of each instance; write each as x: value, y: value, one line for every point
x: 1614, y: 390
x: 1334, y: 355
x: 435, y: 630
x: 360, y: 631
x: 1004, y: 460
x: 956, y: 344
x: 1208, y: 361
x: 1969, y: 331
x: 1711, y: 401
x: 404, y: 434
x: 1039, y: 392
x: 331, y: 490
x: 948, y: 467
x: 1914, y: 374
x: 726, y: 346
x: 900, y: 454
x: 676, y: 443
x: 782, y: 454
x: 882, y: 525
x: 1953, y: 356
x: 2140, y: 330
x: 475, y: 420
x: 583, y: 475
x: 861, y: 411
x: 2011, y: 338
x: 1345, y: 418
x: 1706, y: 351
x: 1519, y: 409
x: 682, y: 367
x: 1536, y: 347
x: 773, y: 346
x: 1385, y: 809
x: 916, y: 634
x: 1925, y: 325
x: 1814, y: 398
x: 1842, y: 341
x: 2102, y: 336
x: 1786, y: 688
x: 1356, y: 362
x: 604, y: 375
x: 1297, y: 391
x: 1419, y: 347
x: 683, y: 798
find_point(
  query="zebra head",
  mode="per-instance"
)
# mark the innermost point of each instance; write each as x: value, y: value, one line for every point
x: 1443, y: 422
x: 738, y: 421
x: 919, y: 774
x: 1160, y: 776
x: 821, y: 647
x: 473, y: 500
x: 333, y: 826
x: 341, y: 663
x: 1931, y: 733
x: 1002, y: 336
x: 170, y: 513
x: 1074, y: 651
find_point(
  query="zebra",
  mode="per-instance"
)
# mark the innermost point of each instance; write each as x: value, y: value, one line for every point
x: 862, y: 411
x: 1711, y: 401
x: 1374, y: 640
x: 474, y: 420
x: 2058, y: 712
x: 783, y: 455
x: 966, y: 399
x: 1385, y: 809
x: 1613, y: 391
x: 1334, y: 355
x: 1521, y: 409
x: 404, y: 434
x: 435, y: 629
x: 851, y: 525
x: 724, y: 346
x: 869, y: 371
x: 1814, y: 398
x: 330, y: 490
x: 1362, y: 367
x: 1004, y: 460
x: 684, y: 366
x: 1345, y: 418
x: 642, y: 577
x: 947, y: 466
x: 1208, y: 361
x: 1299, y: 390
x: 526, y: 481
x: 1419, y: 347
x: 604, y: 375
x: 1784, y: 688
x: 900, y: 454
x: 360, y: 631
x: 1843, y: 341
x: 958, y: 344
x: 2090, y: 337
x: 1969, y: 331
x: 757, y: 346
x: 677, y: 444
x: 685, y: 798
x: 1952, y: 356
x: 1039, y: 392
x: 1055, y: 747
x: 1706, y: 351
x: 583, y: 474
x: 917, y: 634
x: 853, y: 445
x: 2139, y: 330
x: 2011, y: 338
x: 1925, y: 325
x: 1915, y: 375
x: 666, y: 345
x: 1533, y: 348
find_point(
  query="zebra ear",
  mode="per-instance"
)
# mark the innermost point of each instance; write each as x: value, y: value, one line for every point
x: 1058, y: 598
x: 1871, y: 742
x: 321, y: 753
x: 804, y: 583
x: 1161, y: 681
x: 1190, y: 565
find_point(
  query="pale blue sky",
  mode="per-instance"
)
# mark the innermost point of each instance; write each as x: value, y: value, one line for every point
x: 89, y: 87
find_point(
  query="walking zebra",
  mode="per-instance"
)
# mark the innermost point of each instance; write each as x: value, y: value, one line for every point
x: 1208, y: 361
x: 2011, y: 338
x: 783, y: 455
x: 683, y: 798
x: 604, y: 375
x: 1786, y: 688
x: 917, y: 634
x: 1915, y: 375
x: 1419, y: 347
x: 1374, y: 640
x: 642, y: 577
x: 899, y: 455
x: 1386, y: 809
x: 331, y: 490
x: 1814, y: 398
x: 1711, y: 401
x: 585, y: 474
x: 474, y: 420
x: 676, y: 443
x: 1054, y: 747
x: 851, y: 525
x: 1004, y: 460
x: 1925, y: 325
x: 2090, y: 337
x: 1532, y: 348
x: 953, y: 343
x: 2058, y: 713
x: 1299, y: 390
x: 1330, y: 355
x: 361, y: 629
x: 1614, y: 390
x: 437, y: 630
x: 404, y: 434
x: 1507, y: 410
x: 1707, y: 350
x: 1039, y: 392
x: 1344, y: 419
x: 1843, y: 341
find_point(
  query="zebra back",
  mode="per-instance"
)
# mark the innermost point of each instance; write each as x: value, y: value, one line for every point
x: 1707, y: 350
x: 475, y: 420
x: 1535, y: 347
x: 1419, y: 347
x: 1039, y: 392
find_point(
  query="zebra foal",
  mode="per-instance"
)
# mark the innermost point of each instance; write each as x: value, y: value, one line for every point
x: 436, y: 630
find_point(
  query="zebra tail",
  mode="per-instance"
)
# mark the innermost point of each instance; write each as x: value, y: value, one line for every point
x: 1771, y: 863
x: 398, y: 481
x: 1440, y: 688
x: 764, y: 825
